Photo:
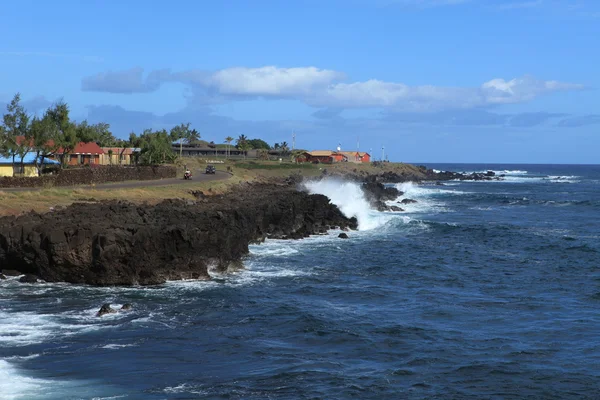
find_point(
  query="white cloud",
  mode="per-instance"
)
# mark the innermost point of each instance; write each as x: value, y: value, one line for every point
x: 398, y: 96
x: 265, y: 81
x: 325, y: 88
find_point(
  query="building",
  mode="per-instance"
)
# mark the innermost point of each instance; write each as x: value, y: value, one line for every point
x: 318, y: 156
x: 212, y: 151
x: 118, y: 155
x: 330, y: 157
x: 357, y: 156
x: 27, y: 168
x: 82, y: 154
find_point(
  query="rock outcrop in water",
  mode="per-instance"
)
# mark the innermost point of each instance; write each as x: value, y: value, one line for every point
x: 377, y: 194
x: 119, y: 243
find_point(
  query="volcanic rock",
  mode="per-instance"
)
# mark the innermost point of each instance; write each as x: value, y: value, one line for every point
x: 28, y: 278
x: 343, y: 235
x: 119, y: 243
x: 105, y: 309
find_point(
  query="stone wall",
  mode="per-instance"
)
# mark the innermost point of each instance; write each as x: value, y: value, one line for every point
x: 92, y: 175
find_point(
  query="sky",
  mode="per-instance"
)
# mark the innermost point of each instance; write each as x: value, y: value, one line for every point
x: 494, y: 81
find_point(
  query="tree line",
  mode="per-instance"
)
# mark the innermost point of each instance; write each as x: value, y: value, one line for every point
x: 55, y: 135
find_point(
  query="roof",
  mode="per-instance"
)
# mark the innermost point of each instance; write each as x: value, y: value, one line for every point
x: 321, y: 153
x: 87, y: 148
x: 353, y: 153
x: 80, y: 148
x: 28, y: 159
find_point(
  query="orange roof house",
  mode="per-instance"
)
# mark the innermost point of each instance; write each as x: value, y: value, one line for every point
x: 357, y: 156
x: 82, y: 154
x: 322, y: 156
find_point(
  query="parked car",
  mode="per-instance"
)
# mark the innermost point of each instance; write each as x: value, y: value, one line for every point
x: 210, y: 169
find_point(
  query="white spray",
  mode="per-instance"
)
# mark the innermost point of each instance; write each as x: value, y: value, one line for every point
x: 350, y: 199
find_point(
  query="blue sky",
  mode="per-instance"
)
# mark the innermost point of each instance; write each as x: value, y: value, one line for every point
x: 430, y: 80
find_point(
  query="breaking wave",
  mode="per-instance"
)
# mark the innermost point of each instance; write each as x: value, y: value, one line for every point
x: 350, y: 199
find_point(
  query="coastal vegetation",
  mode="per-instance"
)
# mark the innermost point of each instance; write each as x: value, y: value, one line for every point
x: 55, y: 134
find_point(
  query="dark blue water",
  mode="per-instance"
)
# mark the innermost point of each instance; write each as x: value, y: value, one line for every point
x: 481, y: 290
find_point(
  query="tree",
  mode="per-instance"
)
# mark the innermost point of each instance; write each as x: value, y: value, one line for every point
x: 284, y: 148
x: 229, y: 139
x: 100, y: 134
x: 259, y: 144
x: 16, y: 130
x: 192, y: 136
x: 156, y: 147
x: 242, y: 139
x: 3, y: 141
x: 180, y: 133
x: 63, y: 132
x: 124, y: 144
x: 39, y: 136
x: 242, y: 144
x: 110, y: 154
x: 134, y: 141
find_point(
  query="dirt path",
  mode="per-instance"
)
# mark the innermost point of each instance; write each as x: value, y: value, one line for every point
x: 198, y: 176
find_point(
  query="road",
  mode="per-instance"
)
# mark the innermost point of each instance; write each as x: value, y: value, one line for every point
x: 198, y: 176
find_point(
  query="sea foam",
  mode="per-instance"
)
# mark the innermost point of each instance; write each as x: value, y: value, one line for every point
x: 350, y: 199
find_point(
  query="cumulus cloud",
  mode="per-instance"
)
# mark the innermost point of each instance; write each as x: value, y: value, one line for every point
x: 264, y: 81
x: 326, y: 88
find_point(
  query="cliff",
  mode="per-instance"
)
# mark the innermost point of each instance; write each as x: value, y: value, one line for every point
x: 119, y: 243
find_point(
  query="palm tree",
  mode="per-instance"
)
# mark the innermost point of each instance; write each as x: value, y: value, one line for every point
x: 192, y: 136
x: 284, y: 148
x: 241, y: 140
x: 242, y: 144
x: 228, y: 139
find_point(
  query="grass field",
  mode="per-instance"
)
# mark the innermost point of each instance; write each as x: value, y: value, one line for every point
x: 14, y: 203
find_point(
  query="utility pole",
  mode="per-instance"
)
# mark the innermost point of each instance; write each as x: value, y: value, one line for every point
x: 382, y: 153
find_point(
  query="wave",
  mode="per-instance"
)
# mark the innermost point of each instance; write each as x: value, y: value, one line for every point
x: 13, y: 385
x: 429, y: 198
x: 350, y: 199
x: 16, y: 385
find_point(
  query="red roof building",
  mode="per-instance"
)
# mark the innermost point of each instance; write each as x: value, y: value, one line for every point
x: 82, y: 154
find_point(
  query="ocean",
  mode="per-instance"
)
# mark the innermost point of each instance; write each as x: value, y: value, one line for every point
x: 480, y: 290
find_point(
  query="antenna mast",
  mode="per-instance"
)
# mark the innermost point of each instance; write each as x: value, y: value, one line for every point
x: 293, y: 141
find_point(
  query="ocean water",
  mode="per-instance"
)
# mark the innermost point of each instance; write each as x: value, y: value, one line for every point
x: 481, y: 290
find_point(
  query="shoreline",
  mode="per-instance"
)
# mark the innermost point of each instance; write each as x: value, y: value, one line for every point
x: 117, y: 243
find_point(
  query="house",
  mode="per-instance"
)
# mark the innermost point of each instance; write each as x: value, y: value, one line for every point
x: 357, y: 156
x: 211, y: 150
x: 118, y: 155
x: 82, y: 154
x: 322, y: 156
x: 27, y: 168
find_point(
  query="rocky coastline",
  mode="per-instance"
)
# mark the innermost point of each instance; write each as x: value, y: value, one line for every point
x: 115, y: 243
x: 121, y: 244
x: 420, y: 174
